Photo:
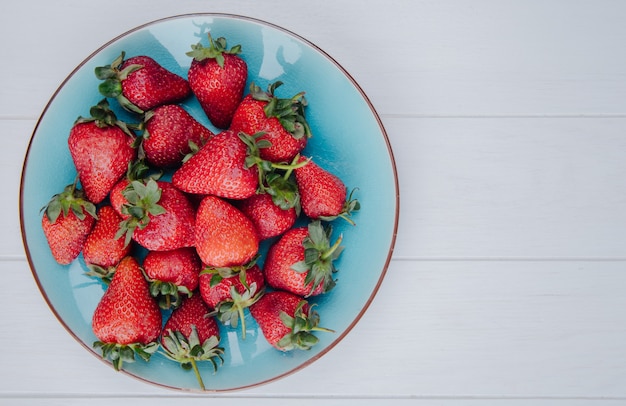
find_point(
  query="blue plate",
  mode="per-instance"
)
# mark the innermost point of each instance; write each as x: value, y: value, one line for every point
x: 348, y: 140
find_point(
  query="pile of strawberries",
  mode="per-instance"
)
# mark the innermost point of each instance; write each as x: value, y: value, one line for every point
x: 187, y: 249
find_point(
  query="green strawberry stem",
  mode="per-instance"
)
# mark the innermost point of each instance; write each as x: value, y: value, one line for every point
x: 120, y: 353
x: 189, y: 350
x: 289, y: 168
x: 143, y: 201
x: 196, y: 372
x: 301, y: 326
x: 112, y: 78
x: 231, y: 311
x: 104, y: 274
x: 331, y: 251
x: 281, y: 187
x: 168, y: 294
x: 71, y: 198
x: 215, y: 50
x: 219, y: 273
x: 351, y: 205
x: 319, y: 257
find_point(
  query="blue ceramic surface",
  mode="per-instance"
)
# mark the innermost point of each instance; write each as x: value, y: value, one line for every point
x: 348, y: 140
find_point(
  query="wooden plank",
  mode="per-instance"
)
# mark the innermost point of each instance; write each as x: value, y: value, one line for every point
x: 513, y: 188
x: 304, y: 401
x: 483, y: 329
x: 436, y: 58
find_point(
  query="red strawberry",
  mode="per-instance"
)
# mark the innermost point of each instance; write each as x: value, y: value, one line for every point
x: 169, y: 129
x: 217, y: 77
x: 287, y: 321
x: 301, y: 261
x: 231, y: 295
x: 225, y: 237
x: 191, y: 335
x: 172, y: 273
x: 140, y: 83
x: 101, y: 148
x: 67, y: 221
x: 102, y: 249
x: 323, y: 194
x: 219, y: 168
x: 159, y: 216
x: 127, y: 320
x: 281, y: 120
x: 269, y: 219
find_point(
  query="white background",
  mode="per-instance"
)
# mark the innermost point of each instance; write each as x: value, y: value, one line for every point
x: 507, y: 120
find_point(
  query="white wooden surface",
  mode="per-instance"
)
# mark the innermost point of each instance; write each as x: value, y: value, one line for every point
x: 507, y: 118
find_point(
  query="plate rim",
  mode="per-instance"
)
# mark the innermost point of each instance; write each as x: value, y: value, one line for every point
x: 370, y: 105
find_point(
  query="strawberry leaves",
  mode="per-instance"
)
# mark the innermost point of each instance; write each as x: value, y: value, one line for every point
x: 112, y: 78
x: 142, y: 201
x: 302, y: 324
x: 118, y: 354
x: 290, y: 112
x: 215, y: 50
x: 189, y: 350
x: 319, y: 257
x: 231, y: 311
x: 72, y: 199
x: 275, y: 178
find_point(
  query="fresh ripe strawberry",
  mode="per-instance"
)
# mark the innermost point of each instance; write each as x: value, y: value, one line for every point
x: 301, y: 261
x: 230, y: 296
x: 160, y: 217
x: 127, y: 320
x: 281, y: 120
x: 225, y: 237
x: 287, y: 321
x: 219, y: 168
x: 269, y: 219
x: 169, y: 129
x: 67, y: 221
x: 172, y: 273
x: 323, y: 194
x: 191, y: 335
x: 101, y: 148
x: 101, y: 247
x: 140, y: 83
x: 217, y: 77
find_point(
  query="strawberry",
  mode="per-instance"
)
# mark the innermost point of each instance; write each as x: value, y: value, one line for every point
x: 230, y: 296
x: 281, y: 120
x: 287, y: 321
x: 323, y: 194
x: 171, y: 274
x: 140, y: 83
x: 219, y: 168
x: 127, y: 320
x: 101, y: 148
x: 67, y: 221
x: 102, y: 249
x: 169, y: 130
x: 225, y: 237
x: 269, y: 219
x: 301, y: 261
x: 217, y: 77
x: 191, y: 335
x: 158, y: 216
